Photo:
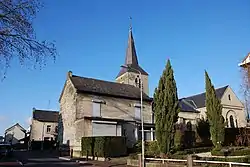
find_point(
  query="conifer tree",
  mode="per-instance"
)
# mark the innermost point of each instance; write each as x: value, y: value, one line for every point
x: 214, y: 114
x: 166, y: 110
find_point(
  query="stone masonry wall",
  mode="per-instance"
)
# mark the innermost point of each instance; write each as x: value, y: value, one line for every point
x: 116, y: 108
x: 68, y: 113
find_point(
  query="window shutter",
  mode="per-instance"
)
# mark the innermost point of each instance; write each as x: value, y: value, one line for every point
x: 96, y: 109
x: 137, y: 113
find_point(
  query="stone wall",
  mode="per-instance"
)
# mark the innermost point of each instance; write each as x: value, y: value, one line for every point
x: 68, y: 113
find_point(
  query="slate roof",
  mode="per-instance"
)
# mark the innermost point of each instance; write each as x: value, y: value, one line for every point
x: 17, y: 124
x: 45, y: 115
x: 198, y: 101
x: 186, y: 106
x: 131, y: 59
x: 107, y: 88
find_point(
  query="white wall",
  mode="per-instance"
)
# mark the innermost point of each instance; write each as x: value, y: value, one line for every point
x: 39, y: 129
x: 14, y: 135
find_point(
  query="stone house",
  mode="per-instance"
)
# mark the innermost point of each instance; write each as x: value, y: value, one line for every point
x: 92, y: 107
x: 193, y: 108
x: 14, y: 133
x: 44, y: 125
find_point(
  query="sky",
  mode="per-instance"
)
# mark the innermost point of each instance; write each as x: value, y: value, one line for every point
x: 91, y: 39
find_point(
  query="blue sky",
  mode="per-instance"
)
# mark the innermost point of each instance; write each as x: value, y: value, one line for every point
x: 91, y: 38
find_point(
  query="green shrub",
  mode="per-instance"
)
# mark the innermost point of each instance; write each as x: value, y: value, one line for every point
x: 178, y: 139
x: 232, y: 152
x: 152, y: 148
x: 104, y: 146
x: 87, y: 146
x: 138, y: 146
x: 245, y: 159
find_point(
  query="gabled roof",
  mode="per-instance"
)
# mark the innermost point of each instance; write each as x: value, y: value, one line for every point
x: 245, y: 61
x: 45, y: 115
x: 16, y: 125
x: 131, y: 59
x: 185, y: 106
x: 198, y: 101
x: 107, y: 88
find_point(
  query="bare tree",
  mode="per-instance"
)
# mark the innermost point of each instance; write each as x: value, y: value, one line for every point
x: 245, y: 87
x: 17, y: 35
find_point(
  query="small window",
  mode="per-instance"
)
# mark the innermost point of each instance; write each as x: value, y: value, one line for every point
x: 229, y: 97
x: 96, y: 109
x: 48, y: 128
x: 138, y: 113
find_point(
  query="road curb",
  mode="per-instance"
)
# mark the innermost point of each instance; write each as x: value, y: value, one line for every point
x: 64, y: 158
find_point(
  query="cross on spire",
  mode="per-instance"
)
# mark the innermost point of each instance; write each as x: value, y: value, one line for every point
x: 130, y: 24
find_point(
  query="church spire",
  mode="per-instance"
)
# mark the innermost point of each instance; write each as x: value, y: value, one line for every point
x: 131, y: 56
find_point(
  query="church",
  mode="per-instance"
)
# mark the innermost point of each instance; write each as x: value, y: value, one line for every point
x: 93, y: 107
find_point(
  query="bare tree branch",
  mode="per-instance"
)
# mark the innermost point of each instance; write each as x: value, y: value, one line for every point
x: 17, y: 36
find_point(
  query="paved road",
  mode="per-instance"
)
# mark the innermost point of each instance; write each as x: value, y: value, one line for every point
x: 42, y: 159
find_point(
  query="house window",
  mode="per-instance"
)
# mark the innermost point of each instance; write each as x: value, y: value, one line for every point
x: 96, y: 109
x: 48, y: 128
x: 149, y: 134
x: 137, y: 113
x: 229, y: 97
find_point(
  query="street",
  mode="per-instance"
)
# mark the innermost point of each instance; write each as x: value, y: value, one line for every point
x: 41, y: 159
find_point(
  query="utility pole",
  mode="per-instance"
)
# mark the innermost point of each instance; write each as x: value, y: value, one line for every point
x: 42, y: 138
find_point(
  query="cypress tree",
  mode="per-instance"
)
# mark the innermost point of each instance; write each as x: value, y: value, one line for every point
x: 214, y: 114
x: 166, y: 110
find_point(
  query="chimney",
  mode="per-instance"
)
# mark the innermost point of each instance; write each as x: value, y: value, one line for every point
x: 69, y: 74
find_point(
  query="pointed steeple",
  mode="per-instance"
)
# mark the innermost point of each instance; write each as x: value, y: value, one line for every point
x: 131, y: 56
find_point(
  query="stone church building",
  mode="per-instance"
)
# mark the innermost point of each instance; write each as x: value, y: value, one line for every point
x: 93, y: 107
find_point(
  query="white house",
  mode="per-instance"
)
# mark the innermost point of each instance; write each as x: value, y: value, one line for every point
x: 14, y: 133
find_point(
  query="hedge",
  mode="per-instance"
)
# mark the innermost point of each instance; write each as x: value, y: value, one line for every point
x: 104, y: 146
x: 232, y: 152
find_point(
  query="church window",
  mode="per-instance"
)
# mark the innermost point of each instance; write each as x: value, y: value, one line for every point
x: 229, y: 97
x: 136, y: 81
x: 231, y: 119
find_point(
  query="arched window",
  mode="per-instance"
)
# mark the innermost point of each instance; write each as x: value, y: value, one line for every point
x: 136, y: 81
x: 231, y: 121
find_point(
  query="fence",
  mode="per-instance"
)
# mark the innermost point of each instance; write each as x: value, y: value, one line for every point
x: 198, y: 161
